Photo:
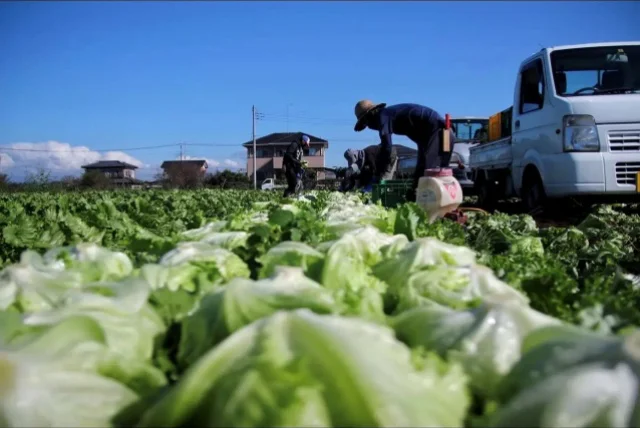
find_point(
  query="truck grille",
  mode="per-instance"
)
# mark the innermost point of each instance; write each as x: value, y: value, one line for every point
x: 624, y: 141
x: 626, y: 172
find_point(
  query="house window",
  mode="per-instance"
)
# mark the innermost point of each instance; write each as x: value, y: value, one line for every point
x: 313, y: 151
x: 532, y: 87
x: 264, y: 153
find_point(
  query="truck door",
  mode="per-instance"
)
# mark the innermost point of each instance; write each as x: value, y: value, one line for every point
x: 533, y: 126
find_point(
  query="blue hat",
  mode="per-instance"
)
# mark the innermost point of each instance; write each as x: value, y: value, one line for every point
x: 305, y: 139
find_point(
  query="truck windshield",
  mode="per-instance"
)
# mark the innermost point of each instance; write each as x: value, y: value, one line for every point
x: 471, y: 129
x: 596, y: 71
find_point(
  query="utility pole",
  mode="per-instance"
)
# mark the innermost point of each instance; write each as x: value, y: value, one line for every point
x: 181, y: 151
x: 253, y: 132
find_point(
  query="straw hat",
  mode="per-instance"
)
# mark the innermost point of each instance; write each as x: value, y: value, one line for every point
x: 364, y: 110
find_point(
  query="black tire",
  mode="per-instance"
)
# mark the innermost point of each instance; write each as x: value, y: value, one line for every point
x: 534, y: 198
x: 487, y: 193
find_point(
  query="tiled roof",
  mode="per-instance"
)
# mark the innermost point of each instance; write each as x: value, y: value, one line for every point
x: 404, y: 151
x: 196, y: 162
x: 109, y: 164
x: 284, y: 137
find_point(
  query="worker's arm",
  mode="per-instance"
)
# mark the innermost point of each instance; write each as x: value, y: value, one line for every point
x: 289, y: 155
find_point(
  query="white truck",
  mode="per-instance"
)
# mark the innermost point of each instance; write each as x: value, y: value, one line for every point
x: 573, y: 130
x: 270, y: 184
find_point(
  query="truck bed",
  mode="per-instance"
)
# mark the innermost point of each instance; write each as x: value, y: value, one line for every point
x: 494, y: 155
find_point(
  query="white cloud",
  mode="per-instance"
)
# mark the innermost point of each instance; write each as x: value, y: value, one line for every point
x: 59, y: 158
x: 214, y: 164
x: 62, y: 159
x: 231, y: 163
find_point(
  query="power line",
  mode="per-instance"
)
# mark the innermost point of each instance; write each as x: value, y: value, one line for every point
x: 80, y: 150
x: 323, y: 119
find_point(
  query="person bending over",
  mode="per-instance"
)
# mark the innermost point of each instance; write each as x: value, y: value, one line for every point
x: 420, y: 124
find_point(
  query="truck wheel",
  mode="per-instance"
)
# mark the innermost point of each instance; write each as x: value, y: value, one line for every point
x: 533, y: 194
x: 486, y: 191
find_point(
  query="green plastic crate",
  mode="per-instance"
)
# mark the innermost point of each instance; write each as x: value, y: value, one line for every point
x: 391, y: 192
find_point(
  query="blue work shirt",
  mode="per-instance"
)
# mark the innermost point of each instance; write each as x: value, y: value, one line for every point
x: 411, y: 120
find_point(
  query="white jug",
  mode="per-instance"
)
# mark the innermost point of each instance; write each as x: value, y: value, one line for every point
x: 438, y: 192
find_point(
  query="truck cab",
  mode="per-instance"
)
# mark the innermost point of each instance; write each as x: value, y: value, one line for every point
x: 270, y: 184
x: 469, y: 132
x: 573, y: 129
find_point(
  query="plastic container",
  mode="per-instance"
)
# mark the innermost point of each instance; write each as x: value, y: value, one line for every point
x: 391, y: 193
x: 438, y: 193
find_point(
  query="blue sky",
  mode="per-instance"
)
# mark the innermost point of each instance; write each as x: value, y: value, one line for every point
x: 119, y: 75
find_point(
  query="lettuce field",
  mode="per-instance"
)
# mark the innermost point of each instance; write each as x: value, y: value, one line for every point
x: 242, y: 309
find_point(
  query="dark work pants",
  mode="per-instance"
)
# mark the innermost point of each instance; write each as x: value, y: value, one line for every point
x: 292, y: 180
x: 430, y: 156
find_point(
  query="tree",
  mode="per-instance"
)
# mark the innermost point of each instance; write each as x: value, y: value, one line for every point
x: 38, y: 179
x: 95, y: 180
x: 227, y: 179
x: 184, y: 176
x: 4, y: 181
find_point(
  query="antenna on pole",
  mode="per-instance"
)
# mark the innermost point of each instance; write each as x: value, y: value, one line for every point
x: 253, y: 133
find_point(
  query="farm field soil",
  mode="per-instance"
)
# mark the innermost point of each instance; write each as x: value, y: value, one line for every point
x: 240, y: 308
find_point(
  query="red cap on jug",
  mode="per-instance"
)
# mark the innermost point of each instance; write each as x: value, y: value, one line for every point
x: 438, y: 172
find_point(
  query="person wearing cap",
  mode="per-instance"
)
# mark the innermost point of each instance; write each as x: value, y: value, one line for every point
x: 292, y: 163
x: 420, y: 124
x: 364, y: 166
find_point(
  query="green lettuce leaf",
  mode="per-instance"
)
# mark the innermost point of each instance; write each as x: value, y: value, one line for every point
x: 302, y: 369
x: 573, y: 377
x: 242, y: 302
x: 486, y: 339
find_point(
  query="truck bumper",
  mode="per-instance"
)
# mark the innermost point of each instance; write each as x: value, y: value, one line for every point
x: 584, y: 174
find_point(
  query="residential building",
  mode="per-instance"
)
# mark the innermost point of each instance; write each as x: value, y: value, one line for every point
x: 270, y: 152
x: 120, y: 173
x: 199, y: 165
x: 112, y: 168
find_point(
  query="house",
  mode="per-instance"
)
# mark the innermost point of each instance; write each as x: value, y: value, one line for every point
x: 175, y: 166
x: 270, y: 151
x: 119, y: 173
x: 112, y: 168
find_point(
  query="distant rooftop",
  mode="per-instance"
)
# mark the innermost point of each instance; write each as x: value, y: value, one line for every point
x: 109, y: 164
x: 195, y: 162
x: 280, y: 138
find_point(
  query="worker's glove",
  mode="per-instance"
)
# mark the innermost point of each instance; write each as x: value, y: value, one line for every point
x: 304, y: 164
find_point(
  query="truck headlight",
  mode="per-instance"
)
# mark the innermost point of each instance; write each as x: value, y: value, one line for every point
x: 580, y: 133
